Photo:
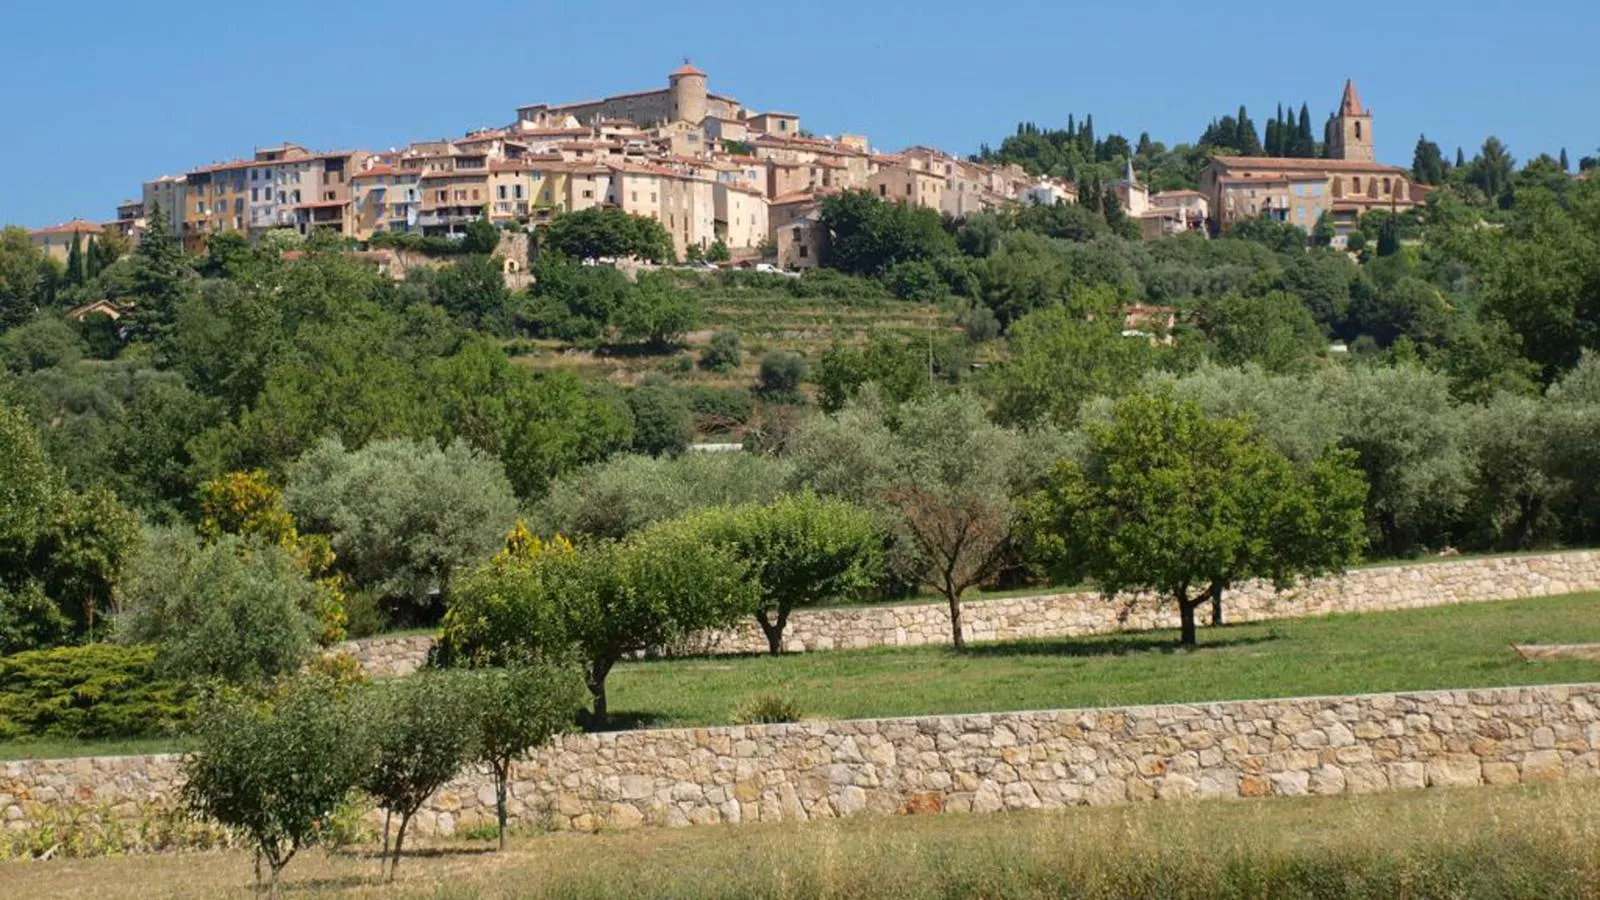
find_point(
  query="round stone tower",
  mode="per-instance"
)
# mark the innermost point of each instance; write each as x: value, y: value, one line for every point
x: 689, y: 87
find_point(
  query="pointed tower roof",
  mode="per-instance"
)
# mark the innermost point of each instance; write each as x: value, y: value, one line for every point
x: 686, y: 69
x: 1351, y: 104
x: 1129, y: 174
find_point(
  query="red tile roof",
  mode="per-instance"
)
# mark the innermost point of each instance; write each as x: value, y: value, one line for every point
x: 1306, y: 165
x: 686, y: 69
x: 75, y: 226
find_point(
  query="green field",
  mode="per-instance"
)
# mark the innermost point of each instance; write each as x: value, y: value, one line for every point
x: 1468, y: 843
x: 1443, y: 647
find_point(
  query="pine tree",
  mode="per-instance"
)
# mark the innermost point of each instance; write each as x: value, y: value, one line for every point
x: 157, y: 278
x: 1564, y: 165
x: 75, y: 260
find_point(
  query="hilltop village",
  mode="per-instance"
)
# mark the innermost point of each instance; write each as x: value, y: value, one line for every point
x: 712, y: 171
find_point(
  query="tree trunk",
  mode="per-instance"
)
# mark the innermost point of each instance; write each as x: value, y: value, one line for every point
x: 386, y: 814
x: 399, y: 839
x: 502, y: 774
x: 773, y: 630
x: 956, y: 637
x: 1216, y: 604
x: 1186, y: 616
x: 597, y: 688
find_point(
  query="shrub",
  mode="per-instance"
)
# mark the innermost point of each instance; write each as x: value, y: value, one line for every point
x: 421, y: 733
x: 916, y: 280
x: 781, y: 375
x: 278, y: 771
x: 723, y: 354
x: 767, y: 709
x: 718, y: 410
x: 662, y: 421
x: 94, y: 692
x: 622, y: 495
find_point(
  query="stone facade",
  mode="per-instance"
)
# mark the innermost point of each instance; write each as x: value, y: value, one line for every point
x: 1083, y: 613
x: 973, y: 763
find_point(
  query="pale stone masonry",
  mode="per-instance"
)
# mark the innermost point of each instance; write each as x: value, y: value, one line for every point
x: 1409, y: 586
x: 968, y: 763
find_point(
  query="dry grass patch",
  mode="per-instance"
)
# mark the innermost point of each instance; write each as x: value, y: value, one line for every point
x: 1479, y: 842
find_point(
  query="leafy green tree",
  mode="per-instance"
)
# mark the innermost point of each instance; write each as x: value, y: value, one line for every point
x: 723, y: 353
x: 718, y: 252
x: 603, y: 232
x: 1274, y: 330
x: 422, y: 733
x: 62, y: 553
x: 1180, y: 505
x: 617, y: 497
x: 24, y: 277
x: 657, y: 311
x: 940, y: 473
x: 473, y: 290
x: 1427, y: 162
x: 801, y: 550
x: 899, y: 369
x: 482, y: 237
x: 557, y: 423
x: 402, y: 515
x: 519, y: 708
x: 276, y: 771
x: 1491, y: 170
x: 1060, y: 358
x: 239, y: 610
x: 576, y: 302
x: 867, y: 236
x: 606, y: 601
x: 46, y: 342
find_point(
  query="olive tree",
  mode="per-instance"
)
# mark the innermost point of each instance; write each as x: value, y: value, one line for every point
x: 275, y: 770
x: 942, y: 474
x: 1179, y: 505
x: 801, y: 549
x: 402, y: 514
x: 421, y: 735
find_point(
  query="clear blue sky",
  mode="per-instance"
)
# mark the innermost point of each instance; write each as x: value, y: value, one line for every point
x: 100, y: 95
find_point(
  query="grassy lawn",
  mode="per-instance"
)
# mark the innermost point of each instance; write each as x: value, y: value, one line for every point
x: 1477, y: 842
x: 1446, y: 647
x: 55, y: 749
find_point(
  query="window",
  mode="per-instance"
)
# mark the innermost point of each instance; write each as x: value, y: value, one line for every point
x: 1316, y: 190
x: 804, y: 251
x: 1358, y: 129
x: 502, y: 192
x: 588, y: 195
x: 253, y: 197
x: 1357, y: 180
x: 883, y: 190
x: 1386, y: 186
x: 634, y: 196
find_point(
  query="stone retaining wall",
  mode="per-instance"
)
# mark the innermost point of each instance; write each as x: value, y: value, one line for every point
x: 971, y: 763
x: 1079, y: 613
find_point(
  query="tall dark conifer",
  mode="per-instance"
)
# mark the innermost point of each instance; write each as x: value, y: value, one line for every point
x: 1306, y: 142
x: 75, y: 260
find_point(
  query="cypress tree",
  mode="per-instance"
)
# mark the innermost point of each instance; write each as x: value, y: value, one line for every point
x: 75, y: 260
x: 1307, y: 143
x: 1272, y: 138
x: 1461, y: 158
x: 1248, y: 140
x: 1564, y: 166
x: 1086, y: 137
x: 91, y: 262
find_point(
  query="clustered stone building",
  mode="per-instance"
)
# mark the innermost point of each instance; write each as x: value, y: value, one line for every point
x: 703, y: 164
x: 710, y: 170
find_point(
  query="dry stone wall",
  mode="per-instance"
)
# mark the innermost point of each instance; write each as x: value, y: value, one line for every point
x: 1081, y: 613
x: 972, y: 763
